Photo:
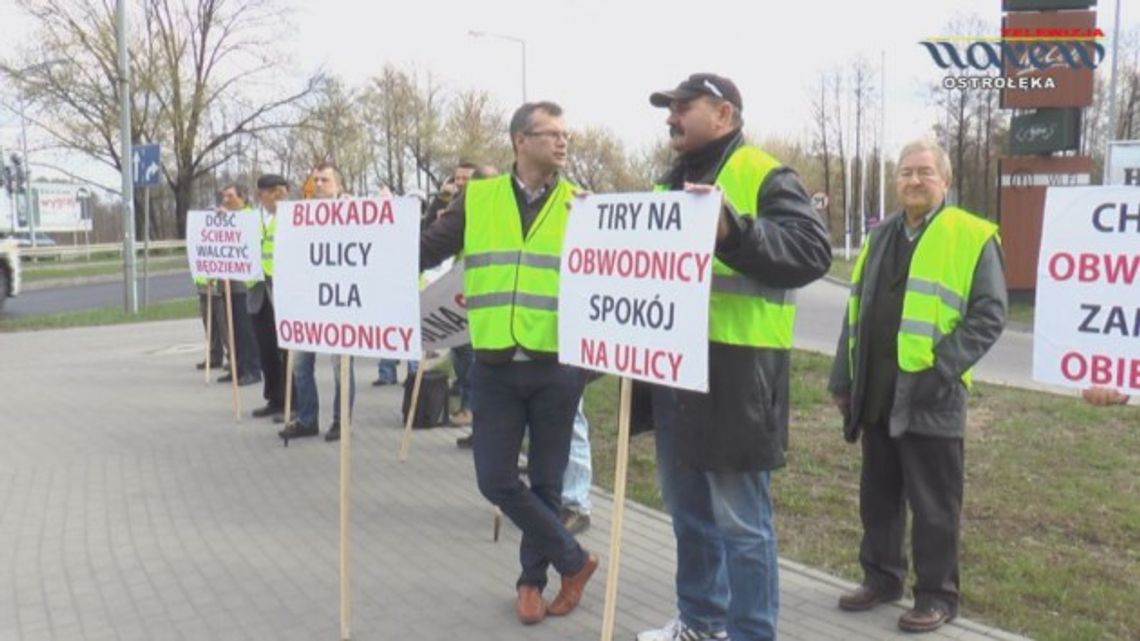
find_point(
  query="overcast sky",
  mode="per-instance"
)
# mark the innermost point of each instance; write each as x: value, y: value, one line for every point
x: 601, y: 58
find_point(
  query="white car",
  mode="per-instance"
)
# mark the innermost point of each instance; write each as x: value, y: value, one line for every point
x: 9, y: 269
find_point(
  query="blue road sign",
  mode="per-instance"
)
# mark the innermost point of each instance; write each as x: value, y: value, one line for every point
x: 146, y: 163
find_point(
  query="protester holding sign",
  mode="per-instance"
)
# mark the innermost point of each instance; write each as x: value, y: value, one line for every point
x: 271, y: 188
x: 716, y: 450
x: 510, y: 229
x: 248, y: 367
x: 928, y: 300
x: 326, y: 184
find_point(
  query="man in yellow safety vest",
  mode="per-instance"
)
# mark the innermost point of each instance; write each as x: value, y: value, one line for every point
x: 928, y: 300
x: 510, y: 229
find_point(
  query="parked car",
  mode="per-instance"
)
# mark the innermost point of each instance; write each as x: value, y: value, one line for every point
x: 24, y: 239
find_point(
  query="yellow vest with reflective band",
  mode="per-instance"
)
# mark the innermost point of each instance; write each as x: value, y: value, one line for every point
x: 267, y: 234
x: 937, y: 287
x: 742, y: 311
x: 511, y: 282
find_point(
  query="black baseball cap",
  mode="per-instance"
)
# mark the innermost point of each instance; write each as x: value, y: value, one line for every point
x: 269, y: 181
x: 699, y: 84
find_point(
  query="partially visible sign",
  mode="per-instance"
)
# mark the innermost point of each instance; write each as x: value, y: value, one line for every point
x: 443, y: 311
x: 1045, y: 131
x: 1123, y: 163
x: 1022, y: 200
x: 1063, y: 65
x: 1088, y: 278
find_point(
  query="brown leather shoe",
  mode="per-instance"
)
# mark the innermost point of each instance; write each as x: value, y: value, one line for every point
x: 925, y: 619
x: 864, y: 598
x: 530, y: 607
x: 572, y: 588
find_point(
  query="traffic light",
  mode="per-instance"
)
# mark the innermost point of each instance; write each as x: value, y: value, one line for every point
x: 7, y: 178
x: 19, y: 174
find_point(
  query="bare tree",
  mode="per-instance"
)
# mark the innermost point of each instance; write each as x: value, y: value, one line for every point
x: 821, y: 121
x: 192, y: 62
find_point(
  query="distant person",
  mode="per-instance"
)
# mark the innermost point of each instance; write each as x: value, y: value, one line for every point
x: 271, y: 189
x: 327, y: 182
x: 247, y: 359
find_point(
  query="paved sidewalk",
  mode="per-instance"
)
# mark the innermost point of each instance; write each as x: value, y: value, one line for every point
x: 132, y: 507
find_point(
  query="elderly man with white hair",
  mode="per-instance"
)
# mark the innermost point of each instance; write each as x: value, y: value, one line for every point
x: 928, y: 300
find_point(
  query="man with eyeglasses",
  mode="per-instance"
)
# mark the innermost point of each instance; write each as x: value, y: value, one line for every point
x: 510, y: 230
x: 716, y: 452
x: 928, y: 300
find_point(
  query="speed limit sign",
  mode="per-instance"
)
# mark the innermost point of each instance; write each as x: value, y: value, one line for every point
x: 819, y: 200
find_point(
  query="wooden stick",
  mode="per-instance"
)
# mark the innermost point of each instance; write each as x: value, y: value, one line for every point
x: 406, y: 444
x: 288, y: 386
x: 233, y: 351
x: 610, y: 608
x: 209, y: 325
x: 345, y: 433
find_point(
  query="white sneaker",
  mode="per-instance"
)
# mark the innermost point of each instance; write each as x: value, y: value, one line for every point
x: 676, y: 630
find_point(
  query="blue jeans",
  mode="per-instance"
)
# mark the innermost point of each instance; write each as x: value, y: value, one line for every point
x: 507, y: 398
x: 579, y: 475
x: 305, y: 387
x: 727, y: 566
x: 386, y: 370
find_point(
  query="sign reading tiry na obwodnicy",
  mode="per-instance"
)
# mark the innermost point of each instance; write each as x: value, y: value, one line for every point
x: 634, y: 286
x: 1087, y: 329
x: 345, y: 276
x: 224, y: 244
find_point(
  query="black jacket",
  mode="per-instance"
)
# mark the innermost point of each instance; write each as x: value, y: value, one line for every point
x: 741, y: 424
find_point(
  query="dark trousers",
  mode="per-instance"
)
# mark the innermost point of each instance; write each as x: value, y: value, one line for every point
x: 462, y: 357
x: 217, y: 327
x: 505, y: 400
x: 246, y: 345
x: 272, y: 357
x: 926, y: 474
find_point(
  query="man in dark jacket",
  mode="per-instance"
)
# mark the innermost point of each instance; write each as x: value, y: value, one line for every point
x: 928, y: 299
x: 716, y: 451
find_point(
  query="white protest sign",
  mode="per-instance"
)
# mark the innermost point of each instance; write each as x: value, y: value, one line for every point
x: 633, y: 294
x: 345, y: 276
x: 444, y: 311
x: 224, y: 245
x: 1087, y: 326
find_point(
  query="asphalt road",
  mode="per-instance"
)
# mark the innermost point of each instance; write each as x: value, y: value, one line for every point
x: 94, y: 295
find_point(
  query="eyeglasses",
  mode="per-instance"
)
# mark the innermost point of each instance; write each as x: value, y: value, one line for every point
x: 553, y: 135
x: 923, y: 173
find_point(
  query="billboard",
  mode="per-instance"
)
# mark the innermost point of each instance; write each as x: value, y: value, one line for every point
x: 1024, y: 181
x: 1064, y: 64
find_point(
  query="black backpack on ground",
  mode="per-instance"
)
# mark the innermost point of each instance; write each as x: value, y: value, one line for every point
x: 431, y: 410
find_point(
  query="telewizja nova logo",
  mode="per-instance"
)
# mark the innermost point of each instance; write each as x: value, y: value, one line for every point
x: 1023, y: 52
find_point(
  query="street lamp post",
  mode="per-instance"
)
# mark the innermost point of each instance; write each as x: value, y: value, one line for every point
x: 130, y: 277
x: 520, y: 41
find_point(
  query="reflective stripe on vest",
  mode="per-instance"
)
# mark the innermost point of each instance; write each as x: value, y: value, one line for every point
x: 937, y: 288
x: 510, y: 282
x: 741, y: 310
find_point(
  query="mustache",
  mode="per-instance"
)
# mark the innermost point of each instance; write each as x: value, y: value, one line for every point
x: 675, y: 130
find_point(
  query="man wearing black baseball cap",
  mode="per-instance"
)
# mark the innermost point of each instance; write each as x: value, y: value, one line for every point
x: 716, y: 451
x: 271, y: 188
